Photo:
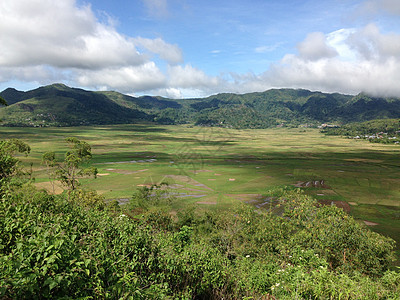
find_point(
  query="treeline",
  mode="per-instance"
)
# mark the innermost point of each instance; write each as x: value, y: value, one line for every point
x: 385, y: 131
x: 75, y: 245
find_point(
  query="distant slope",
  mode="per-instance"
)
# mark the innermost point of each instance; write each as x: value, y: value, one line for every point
x: 390, y: 127
x: 271, y: 108
x: 59, y: 105
x: 12, y: 95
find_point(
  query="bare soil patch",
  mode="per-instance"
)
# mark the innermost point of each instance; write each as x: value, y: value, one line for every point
x: 368, y: 223
x: 341, y: 204
x: 58, y: 189
x: 144, y: 185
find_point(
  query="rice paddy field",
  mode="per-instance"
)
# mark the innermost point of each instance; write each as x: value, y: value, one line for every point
x: 212, y: 168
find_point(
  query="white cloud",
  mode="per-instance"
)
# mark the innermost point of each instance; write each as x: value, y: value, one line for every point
x: 338, y: 41
x: 60, y: 34
x: 157, y: 8
x: 190, y: 77
x: 125, y: 79
x: 371, y: 44
x: 170, y: 93
x: 375, y: 6
x: 315, y: 47
x: 52, y: 40
x: 48, y: 41
x: 168, y: 52
x: 365, y: 60
x: 265, y: 49
x: 39, y: 74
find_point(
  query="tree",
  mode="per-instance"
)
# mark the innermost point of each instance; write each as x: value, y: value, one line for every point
x: 3, y: 101
x: 9, y: 164
x: 72, y: 167
x: 49, y: 159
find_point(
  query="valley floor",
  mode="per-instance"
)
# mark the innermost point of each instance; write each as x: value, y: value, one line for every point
x: 212, y: 168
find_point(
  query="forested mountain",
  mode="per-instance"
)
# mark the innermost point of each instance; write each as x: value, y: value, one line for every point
x: 59, y: 105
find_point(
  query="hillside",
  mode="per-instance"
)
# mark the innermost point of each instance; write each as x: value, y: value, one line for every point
x: 59, y: 105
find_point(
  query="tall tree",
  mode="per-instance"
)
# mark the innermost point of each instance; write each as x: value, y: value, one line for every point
x: 3, y: 101
x: 73, y: 166
x: 9, y: 164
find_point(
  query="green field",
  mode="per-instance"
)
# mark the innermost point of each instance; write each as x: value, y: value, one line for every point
x: 213, y: 167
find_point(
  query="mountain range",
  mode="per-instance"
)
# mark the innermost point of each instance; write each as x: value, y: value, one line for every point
x: 60, y: 105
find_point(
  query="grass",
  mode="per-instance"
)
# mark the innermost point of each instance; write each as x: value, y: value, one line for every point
x: 214, y: 164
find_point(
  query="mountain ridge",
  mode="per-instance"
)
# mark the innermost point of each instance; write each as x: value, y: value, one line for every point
x: 60, y: 105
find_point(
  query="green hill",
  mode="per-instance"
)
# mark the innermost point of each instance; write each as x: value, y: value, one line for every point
x: 60, y: 105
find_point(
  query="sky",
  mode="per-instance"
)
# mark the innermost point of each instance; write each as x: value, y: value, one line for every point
x: 192, y: 48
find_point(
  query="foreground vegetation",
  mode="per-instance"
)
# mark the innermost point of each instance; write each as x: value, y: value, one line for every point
x: 73, y: 245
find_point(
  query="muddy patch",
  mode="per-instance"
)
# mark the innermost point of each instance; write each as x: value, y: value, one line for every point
x: 341, y: 204
x: 144, y: 185
x: 368, y: 223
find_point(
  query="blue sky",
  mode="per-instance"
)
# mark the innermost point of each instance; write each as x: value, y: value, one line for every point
x: 186, y: 48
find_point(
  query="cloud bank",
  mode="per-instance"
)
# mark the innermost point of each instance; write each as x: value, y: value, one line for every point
x: 348, y: 61
x: 48, y: 41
